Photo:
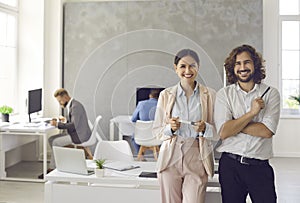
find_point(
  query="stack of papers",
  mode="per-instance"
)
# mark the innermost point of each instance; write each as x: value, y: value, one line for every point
x: 120, y: 166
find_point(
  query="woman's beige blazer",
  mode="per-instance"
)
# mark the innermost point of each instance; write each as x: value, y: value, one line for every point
x: 163, y: 113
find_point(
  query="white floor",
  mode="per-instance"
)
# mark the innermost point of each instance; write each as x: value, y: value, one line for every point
x: 287, y: 172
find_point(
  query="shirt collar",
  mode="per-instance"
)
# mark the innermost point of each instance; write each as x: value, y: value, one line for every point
x: 255, y: 88
x: 69, y: 103
x: 180, y: 91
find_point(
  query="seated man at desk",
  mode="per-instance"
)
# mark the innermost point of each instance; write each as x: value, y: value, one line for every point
x: 145, y: 111
x: 76, y: 125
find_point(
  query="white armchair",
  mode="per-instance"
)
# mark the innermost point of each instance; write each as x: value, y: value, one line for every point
x: 114, y: 150
x: 143, y: 136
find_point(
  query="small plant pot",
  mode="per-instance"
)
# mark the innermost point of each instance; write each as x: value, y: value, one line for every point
x: 5, y: 117
x: 99, y: 172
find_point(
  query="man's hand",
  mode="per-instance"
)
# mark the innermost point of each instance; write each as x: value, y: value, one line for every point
x: 256, y: 105
x: 62, y: 119
x: 235, y: 126
x: 53, y: 122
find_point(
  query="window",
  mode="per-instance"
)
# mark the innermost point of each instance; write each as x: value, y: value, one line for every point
x: 289, y: 24
x: 8, y: 53
x: 10, y: 3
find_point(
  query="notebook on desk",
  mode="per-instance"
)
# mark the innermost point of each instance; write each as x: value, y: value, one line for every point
x: 120, y: 165
x: 147, y: 174
x: 71, y: 160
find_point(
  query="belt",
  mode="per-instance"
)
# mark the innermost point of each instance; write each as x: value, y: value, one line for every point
x: 245, y: 160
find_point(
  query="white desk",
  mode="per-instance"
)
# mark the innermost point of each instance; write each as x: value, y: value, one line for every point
x: 66, y: 187
x: 22, y: 135
x: 124, y: 124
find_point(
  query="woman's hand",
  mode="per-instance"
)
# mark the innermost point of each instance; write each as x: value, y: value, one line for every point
x: 174, y: 123
x: 200, y: 126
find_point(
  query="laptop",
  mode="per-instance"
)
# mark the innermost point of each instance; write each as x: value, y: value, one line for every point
x: 71, y: 160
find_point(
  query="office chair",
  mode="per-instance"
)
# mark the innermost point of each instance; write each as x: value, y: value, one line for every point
x: 94, y: 138
x: 113, y: 150
x: 90, y: 124
x: 143, y: 136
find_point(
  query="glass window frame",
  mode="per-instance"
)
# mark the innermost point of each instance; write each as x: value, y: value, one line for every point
x: 284, y: 3
x: 13, y: 75
x: 3, y: 4
x: 288, y: 106
x: 283, y: 18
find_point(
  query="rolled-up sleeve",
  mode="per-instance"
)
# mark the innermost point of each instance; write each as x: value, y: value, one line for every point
x: 272, y: 110
x: 222, y: 111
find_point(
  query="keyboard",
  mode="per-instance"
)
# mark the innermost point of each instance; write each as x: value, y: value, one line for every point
x: 32, y: 124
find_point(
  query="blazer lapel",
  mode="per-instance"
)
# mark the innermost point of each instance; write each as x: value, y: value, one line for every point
x: 70, y: 112
x: 203, y: 101
x: 171, y: 101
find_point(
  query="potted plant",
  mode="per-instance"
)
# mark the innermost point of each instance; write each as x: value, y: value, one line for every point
x: 296, y: 98
x: 5, y: 110
x: 99, y: 171
x: 294, y: 103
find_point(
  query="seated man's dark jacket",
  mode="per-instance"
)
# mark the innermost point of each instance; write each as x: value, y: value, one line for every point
x: 77, y: 124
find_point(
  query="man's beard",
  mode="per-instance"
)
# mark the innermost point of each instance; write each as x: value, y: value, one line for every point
x: 248, y: 79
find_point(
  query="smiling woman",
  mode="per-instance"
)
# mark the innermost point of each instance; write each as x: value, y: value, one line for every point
x: 184, y: 143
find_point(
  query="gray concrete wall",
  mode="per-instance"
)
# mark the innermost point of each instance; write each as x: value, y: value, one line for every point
x: 111, y: 48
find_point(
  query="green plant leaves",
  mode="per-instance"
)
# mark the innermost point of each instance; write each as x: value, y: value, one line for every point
x: 6, y: 109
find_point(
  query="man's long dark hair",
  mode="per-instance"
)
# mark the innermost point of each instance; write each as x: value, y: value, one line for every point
x: 258, y: 61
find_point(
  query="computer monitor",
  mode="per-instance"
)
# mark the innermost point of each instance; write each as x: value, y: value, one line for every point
x: 34, y: 101
x: 143, y: 93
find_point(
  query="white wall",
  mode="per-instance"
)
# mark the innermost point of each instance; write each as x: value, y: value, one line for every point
x: 53, y: 55
x: 286, y: 141
x: 30, y: 74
